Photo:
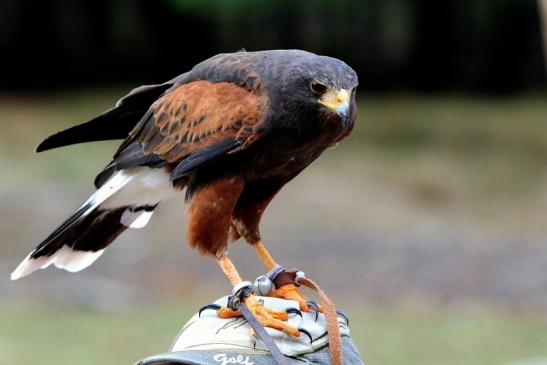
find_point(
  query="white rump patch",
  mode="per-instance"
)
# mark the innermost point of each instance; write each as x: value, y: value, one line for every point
x: 146, y: 186
x: 136, y: 219
x: 134, y: 187
x: 110, y: 187
x: 66, y: 258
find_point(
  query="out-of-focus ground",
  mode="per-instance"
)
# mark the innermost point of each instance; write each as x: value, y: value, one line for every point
x: 428, y: 225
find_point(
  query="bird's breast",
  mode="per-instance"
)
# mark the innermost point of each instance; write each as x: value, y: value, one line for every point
x: 284, y: 158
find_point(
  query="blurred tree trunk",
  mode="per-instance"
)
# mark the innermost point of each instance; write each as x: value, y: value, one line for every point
x: 543, y: 15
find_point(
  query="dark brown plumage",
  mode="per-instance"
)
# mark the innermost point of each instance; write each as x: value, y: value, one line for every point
x: 232, y: 131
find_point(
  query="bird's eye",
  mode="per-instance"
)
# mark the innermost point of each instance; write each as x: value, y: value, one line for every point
x: 318, y: 88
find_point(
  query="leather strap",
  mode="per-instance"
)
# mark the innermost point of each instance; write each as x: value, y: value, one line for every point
x: 335, y: 341
x: 331, y: 317
x: 263, y: 335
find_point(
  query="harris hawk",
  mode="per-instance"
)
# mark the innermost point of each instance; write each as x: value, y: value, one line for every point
x: 230, y: 133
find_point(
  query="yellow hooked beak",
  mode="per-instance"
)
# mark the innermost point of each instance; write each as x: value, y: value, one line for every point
x: 337, y: 100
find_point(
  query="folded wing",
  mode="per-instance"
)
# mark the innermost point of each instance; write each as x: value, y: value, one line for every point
x: 193, y: 125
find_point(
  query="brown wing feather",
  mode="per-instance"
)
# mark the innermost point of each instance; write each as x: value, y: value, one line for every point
x: 197, y: 114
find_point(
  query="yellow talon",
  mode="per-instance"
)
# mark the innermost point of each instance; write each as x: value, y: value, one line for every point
x: 291, y: 292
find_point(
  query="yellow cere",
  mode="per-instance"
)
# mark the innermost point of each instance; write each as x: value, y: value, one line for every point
x: 333, y: 99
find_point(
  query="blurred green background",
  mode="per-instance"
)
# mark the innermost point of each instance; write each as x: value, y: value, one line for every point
x: 428, y: 225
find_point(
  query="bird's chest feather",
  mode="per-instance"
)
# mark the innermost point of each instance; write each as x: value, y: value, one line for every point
x: 286, y: 154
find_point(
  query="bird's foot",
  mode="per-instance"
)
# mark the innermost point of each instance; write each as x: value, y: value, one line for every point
x: 291, y: 292
x: 268, y: 317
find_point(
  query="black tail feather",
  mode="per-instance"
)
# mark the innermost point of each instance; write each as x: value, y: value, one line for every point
x: 92, y: 232
x: 115, y: 123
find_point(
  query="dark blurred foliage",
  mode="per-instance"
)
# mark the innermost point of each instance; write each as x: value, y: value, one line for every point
x: 489, y: 46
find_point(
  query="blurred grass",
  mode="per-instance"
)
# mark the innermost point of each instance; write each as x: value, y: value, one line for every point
x: 498, y: 145
x: 68, y: 336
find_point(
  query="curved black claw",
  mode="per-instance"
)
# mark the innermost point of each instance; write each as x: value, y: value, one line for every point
x: 343, y: 315
x: 294, y: 311
x: 312, y: 304
x: 301, y: 330
x: 208, y: 306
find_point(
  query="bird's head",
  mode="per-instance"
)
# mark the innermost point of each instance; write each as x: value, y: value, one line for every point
x: 318, y: 87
